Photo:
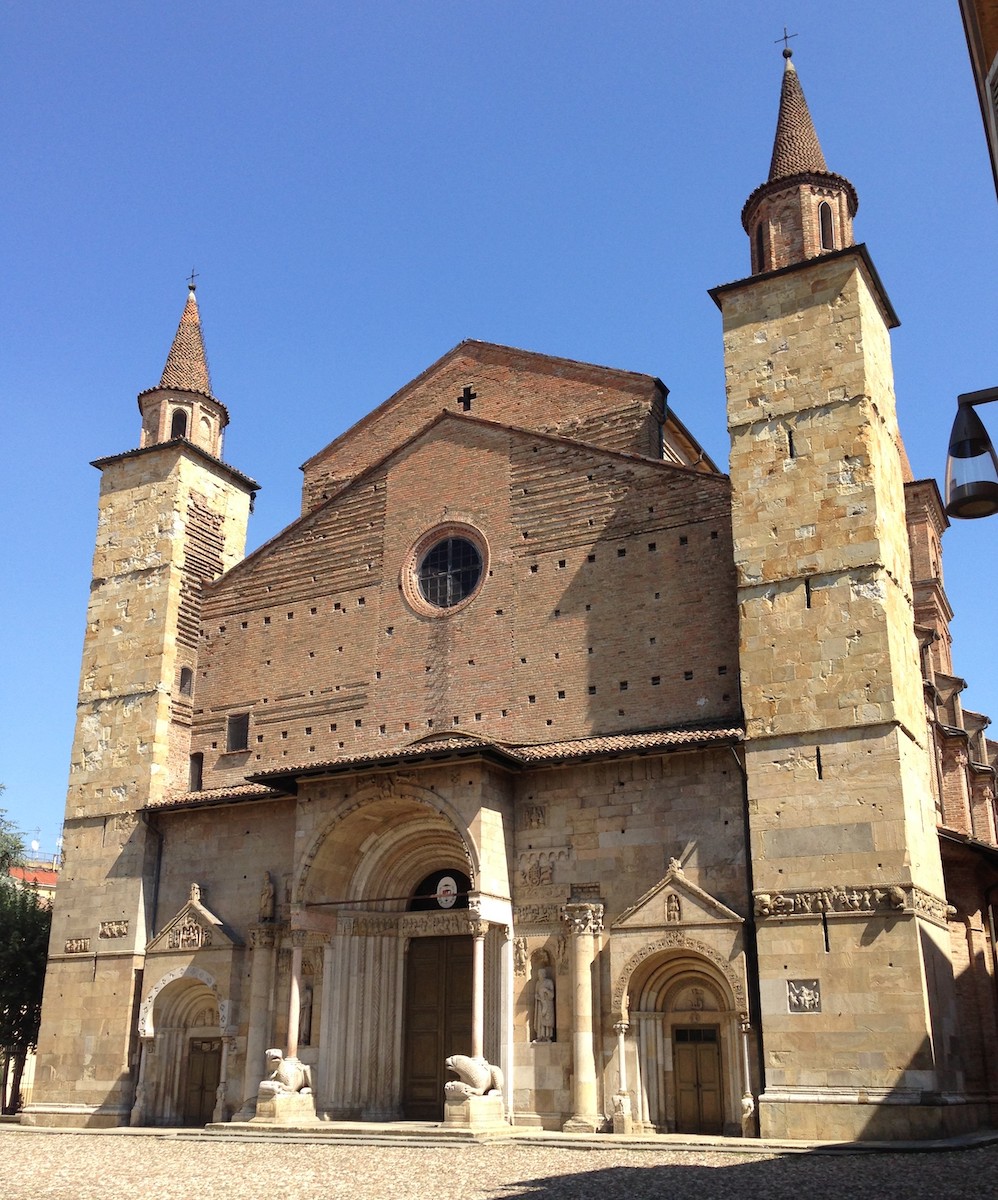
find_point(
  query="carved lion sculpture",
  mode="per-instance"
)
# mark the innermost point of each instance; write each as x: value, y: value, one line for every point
x: 476, y: 1078
x: 286, y: 1074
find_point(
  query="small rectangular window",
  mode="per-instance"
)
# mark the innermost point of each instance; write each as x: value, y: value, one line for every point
x: 237, y: 732
x: 196, y: 774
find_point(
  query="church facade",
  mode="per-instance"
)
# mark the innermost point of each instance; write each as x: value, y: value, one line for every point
x: 538, y: 738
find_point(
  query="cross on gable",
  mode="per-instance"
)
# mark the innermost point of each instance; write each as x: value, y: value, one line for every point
x: 466, y: 398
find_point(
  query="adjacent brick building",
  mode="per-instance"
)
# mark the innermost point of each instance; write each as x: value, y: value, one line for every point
x: 538, y: 737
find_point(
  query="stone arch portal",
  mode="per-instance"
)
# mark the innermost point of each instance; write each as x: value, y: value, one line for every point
x: 182, y: 1068
x: 355, y: 883
x: 685, y: 1026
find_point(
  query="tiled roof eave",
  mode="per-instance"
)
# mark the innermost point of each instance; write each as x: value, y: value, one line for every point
x: 514, y: 757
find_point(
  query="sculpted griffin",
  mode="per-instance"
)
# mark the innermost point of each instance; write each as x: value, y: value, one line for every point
x: 476, y: 1077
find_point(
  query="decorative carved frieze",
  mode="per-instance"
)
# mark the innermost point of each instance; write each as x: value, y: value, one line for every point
x: 867, y: 898
x: 113, y: 929
x: 425, y: 924
x: 375, y: 926
x: 536, y: 914
x: 77, y: 946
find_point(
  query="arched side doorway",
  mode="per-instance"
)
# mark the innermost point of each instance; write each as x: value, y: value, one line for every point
x: 685, y: 1034
x: 182, y: 1067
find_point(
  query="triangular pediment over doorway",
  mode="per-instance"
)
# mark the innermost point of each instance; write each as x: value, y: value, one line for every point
x: 195, y: 927
x: 675, y: 900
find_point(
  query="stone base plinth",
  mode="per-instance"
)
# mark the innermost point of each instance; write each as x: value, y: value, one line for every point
x: 476, y: 1113
x: 623, y: 1122
x: 285, y: 1108
x: 583, y: 1123
x: 865, y: 1117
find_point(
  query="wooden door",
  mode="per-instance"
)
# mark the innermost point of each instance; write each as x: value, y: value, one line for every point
x: 697, y: 1066
x: 437, y: 1020
x: 204, y: 1071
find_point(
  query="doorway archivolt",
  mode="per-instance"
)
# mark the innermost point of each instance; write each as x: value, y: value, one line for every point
x: 684, y: 1038
x: 181, y: 1071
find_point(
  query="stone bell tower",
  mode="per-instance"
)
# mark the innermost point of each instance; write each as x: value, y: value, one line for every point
x: 856, y: 984
x: 171, y: 515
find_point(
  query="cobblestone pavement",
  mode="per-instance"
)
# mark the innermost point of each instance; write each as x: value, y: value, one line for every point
x: 82, y: 1166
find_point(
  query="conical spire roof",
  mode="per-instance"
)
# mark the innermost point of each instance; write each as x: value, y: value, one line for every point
x: 796, y: 149
x: 186, y: 365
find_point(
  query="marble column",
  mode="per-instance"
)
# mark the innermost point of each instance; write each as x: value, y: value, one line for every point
x: 298, y: 937
x: 479, y: 929
x: 585, y: 921
x: 622, y: 1120
x: 262, y: 956
x: 748, y: 1100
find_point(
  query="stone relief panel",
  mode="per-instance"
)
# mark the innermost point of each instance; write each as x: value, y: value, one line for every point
x: 77, y: 946
x: 536, y: 868
x: 113, y: 929
x: 189, y: 935
x: 532, y: 816
x: 537, y: 914
x: 520, y: 956
x: 803, y: 995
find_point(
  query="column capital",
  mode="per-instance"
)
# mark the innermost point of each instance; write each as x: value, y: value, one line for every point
x: 620, y: 1027
x: 262, y: 937
x: 583, y: 917
x: 478, y: 927
x: 299, y: 937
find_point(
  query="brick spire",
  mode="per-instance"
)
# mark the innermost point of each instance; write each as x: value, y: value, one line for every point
x: 796, y: 149
x: 802, y: 209
x: 186, y: 365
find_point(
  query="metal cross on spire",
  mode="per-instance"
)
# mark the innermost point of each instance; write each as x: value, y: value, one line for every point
x: 786, y: 42
x: 191, y: 278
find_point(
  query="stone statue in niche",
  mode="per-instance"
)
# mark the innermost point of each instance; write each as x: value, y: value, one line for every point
x: 476, y: 1077
x: 305, y: 1016
x: 544, y: 1008
x: 673, y: 909
x: 267, y: 899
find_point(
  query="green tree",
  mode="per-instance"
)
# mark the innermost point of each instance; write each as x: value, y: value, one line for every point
x: 24, y: 935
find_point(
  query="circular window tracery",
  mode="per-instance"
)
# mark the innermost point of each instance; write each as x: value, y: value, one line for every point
x: 449, y: 572
x: 444, y: 570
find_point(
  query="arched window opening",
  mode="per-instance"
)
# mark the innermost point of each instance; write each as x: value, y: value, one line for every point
x: 825, y: 221
x: 196, y: 775
x: 186, y: 681
x: 760, y: 260
x: 178, y: 426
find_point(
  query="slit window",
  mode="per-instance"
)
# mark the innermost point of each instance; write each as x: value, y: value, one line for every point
x: 196, y: 773
x: 825, y: 223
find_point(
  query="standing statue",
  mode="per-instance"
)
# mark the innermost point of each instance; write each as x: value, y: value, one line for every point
x: 543, y: 1006
x: 267, y: 899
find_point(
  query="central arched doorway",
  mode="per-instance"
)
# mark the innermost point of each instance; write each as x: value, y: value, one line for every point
x: 388, y: 882
x: 438, y: 998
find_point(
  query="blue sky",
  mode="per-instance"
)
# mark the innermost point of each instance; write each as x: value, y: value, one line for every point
x: 361, y: 185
